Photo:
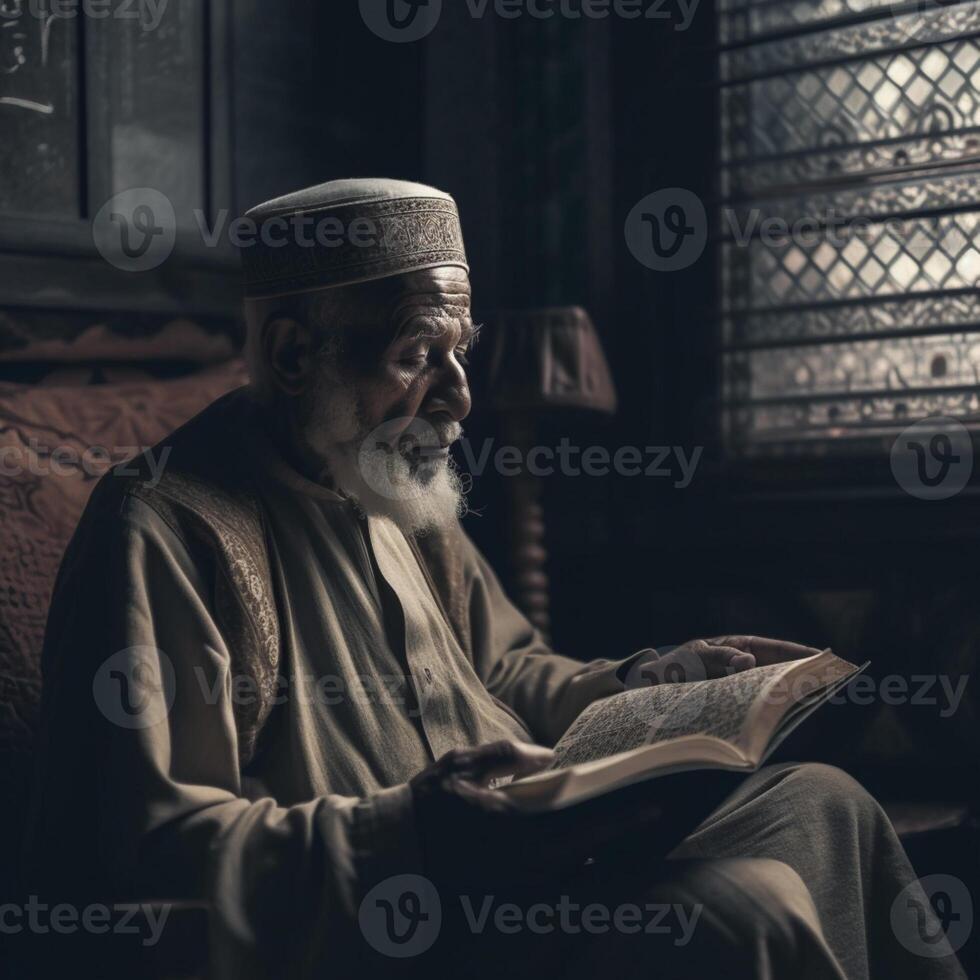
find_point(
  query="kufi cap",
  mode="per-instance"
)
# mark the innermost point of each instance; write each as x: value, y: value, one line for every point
x: 349, y: 231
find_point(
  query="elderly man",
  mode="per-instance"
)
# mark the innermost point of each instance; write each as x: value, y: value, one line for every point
x: 282, y: 678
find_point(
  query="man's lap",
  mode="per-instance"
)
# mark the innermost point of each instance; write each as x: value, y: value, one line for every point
x: 669, y: 919
x: 776, y: 881
x: 634, y: 913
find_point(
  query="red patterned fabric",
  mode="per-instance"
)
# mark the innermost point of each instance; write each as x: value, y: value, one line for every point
x: 52, y: 439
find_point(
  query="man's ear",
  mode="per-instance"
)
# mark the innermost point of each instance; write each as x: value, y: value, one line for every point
x: 288, y: 352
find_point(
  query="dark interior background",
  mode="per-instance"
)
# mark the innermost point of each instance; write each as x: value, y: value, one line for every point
x: 547, y: 133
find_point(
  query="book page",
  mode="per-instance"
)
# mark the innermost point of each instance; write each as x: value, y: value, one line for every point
x: 648, y: 715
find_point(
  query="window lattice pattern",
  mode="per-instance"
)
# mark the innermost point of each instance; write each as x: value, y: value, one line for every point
x: 873, y: 260
x: 743, y: 20
x: 850, y: 220
x: 934, y: 89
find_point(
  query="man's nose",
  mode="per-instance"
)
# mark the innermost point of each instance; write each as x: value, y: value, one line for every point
x: 451, y: 392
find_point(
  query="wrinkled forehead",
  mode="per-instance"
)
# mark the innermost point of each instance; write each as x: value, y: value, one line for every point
x: 424, y: 303
x: 444, y: 289
x: 430, y: 302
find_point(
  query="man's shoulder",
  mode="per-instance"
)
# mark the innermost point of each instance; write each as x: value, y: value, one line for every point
x: 195, y: 474
x: 207, y: 450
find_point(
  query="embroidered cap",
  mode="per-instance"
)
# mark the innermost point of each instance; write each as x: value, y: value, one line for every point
x: 349, y: 231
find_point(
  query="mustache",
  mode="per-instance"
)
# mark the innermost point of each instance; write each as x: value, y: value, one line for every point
x: 448, y: 433
x: 429, y: 435
x: 410, y: 437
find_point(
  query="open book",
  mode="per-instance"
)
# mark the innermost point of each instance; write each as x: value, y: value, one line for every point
x: 732, y: 722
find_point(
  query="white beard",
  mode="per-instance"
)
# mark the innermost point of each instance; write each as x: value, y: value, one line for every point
x: 365, y: 466
x: 382, y: 482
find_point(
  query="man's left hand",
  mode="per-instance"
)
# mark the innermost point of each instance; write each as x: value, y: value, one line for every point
x: 699, y: 660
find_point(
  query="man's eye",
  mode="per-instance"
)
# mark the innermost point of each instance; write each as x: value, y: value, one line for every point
x: 416, y: 355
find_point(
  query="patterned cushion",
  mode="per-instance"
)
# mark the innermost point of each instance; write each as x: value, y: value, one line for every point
x: 56, y: 440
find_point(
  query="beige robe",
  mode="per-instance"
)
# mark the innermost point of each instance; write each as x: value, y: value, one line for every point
x: 145, y: 787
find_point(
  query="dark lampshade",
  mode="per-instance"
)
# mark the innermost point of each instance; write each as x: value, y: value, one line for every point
x: 540, y: 360
x: 548, y: 358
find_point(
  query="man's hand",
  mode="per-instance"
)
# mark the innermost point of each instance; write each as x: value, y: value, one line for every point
x: 766, y: 651
x: 471, y: 835
x: 699, y: 660
x: 462, y: 823
x: 465, y: 774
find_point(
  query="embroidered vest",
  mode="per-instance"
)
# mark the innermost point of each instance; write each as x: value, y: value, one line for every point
x: 208, y: 500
